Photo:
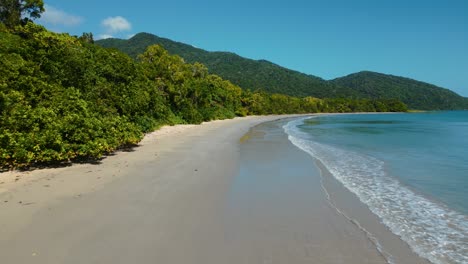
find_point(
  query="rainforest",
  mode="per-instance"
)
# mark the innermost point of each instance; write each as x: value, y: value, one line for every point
x: 64, y: 98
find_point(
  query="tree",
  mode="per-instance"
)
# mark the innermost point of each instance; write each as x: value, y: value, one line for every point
x: 86, y: 37
x: 16, y: 12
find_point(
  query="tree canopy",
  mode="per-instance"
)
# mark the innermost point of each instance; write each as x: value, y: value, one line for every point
x: 417, y: 95
x: 63, y: 98
x: 16, y: 12
x: 265, y: 75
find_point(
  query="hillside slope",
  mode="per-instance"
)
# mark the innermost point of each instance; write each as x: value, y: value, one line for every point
x: 247, y: 73
x: 267, y: 76
x: 418, y: 95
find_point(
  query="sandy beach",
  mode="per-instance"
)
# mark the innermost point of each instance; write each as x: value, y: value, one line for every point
x: 205, y: 193
x: 285, y: 207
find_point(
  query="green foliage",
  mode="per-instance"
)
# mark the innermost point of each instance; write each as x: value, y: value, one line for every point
x: 63, y: 98
x: 417, y: 95
x: 264, y: 75
x: 192, y: 93
x: 261, y: 103
x: 87, y: 37
x: 342, y: 105
x: 246, y: 73
x: 16, y: 12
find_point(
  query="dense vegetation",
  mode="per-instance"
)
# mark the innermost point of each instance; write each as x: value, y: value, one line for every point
x: 64, y: 98
x: 248, y: 74
x: 254, y: 75
x: 377, y: 85
x: 16, y: 12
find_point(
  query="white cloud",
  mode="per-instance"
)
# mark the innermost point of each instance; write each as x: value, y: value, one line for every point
x: 116, y: 24
x: 104, y: 36
x: 54, y: 16
x: 129, y: 36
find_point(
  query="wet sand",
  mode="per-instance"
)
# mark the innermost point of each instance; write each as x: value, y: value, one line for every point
x: 285, y: 207
x: 187, y: 194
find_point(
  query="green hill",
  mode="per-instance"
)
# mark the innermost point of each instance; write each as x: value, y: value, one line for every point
x: 247, y: 73
x: 63, y: 98
x: 267, y: 76
x: 416, y: 94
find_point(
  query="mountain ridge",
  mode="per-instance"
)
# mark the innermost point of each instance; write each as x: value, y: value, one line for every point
x: 247, y: 73
x: 268, y: 76
x: 378, y: 85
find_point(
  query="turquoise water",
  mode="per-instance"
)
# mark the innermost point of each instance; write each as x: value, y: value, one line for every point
x: 410, y: 169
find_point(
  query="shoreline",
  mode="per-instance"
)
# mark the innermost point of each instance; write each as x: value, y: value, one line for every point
x: 390, y: 245
x: 362, y: 225
x: 166, y: 194
x: 375, y: 170
x: 12, y: 179
x: 349, y: 205
x: 278, y: 212
x: 161, y: 199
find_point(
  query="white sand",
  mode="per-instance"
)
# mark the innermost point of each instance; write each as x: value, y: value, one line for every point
x: 158, y: 201
x: 165, y: 202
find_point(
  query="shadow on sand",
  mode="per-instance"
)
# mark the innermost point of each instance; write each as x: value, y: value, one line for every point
x: 68, y: 163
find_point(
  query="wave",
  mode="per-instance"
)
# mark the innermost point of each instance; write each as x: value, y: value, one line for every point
x: 432, y: 230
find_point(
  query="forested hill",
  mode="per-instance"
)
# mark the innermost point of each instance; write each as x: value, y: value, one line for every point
x: 63, y: 98
x: 247, y: 73
x: 253, y: 75
x: 418, y: 95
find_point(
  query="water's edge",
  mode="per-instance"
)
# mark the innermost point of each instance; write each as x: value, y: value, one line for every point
x: 426, y: 250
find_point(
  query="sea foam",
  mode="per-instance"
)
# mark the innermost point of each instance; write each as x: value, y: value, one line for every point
x: 432, y: 230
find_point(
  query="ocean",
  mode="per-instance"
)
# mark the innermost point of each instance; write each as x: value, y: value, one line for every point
x: 411, y: 170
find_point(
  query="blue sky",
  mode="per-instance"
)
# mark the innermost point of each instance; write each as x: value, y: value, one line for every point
x: 424, y: 40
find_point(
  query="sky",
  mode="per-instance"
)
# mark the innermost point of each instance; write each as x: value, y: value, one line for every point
x: 423, y: 40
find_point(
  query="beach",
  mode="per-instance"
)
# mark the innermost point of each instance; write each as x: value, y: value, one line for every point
x: 221, y: 192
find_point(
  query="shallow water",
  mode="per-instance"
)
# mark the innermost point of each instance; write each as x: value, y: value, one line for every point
x: 278, y: 213
x: 410, y: 169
